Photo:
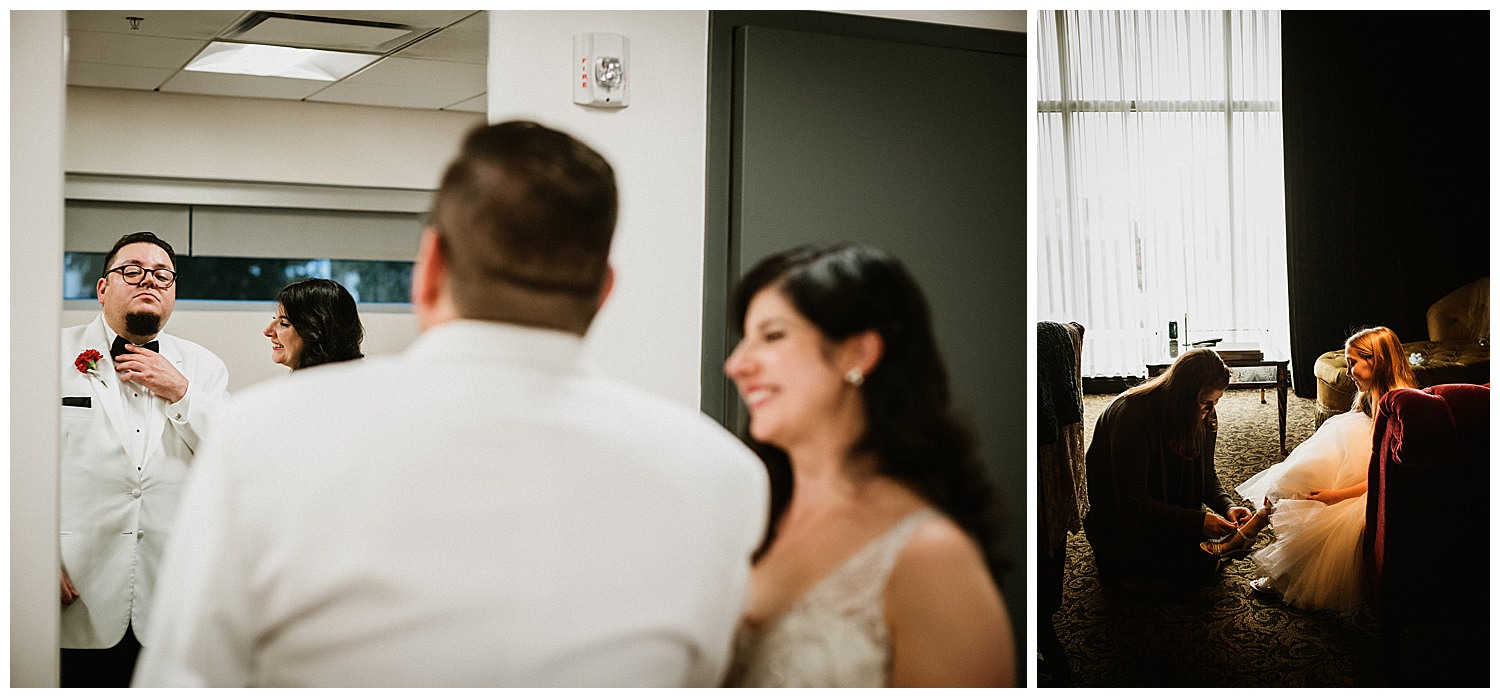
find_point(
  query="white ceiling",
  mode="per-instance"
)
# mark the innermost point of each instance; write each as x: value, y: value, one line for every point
x: 438, y: 64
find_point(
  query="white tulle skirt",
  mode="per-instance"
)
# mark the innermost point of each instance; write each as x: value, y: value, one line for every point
x: 1316, y: 560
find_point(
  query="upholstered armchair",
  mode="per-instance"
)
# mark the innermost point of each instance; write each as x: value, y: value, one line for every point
x: 1463, y: 315
x: 1457, y: 350
x: 1427, y: 523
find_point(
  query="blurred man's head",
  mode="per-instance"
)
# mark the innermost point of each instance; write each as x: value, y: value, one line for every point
x: 523, y: 221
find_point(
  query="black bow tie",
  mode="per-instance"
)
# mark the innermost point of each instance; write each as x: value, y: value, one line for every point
x: 118, y: 347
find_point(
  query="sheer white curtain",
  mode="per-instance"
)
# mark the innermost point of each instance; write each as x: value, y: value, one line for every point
x: 1161, y: 191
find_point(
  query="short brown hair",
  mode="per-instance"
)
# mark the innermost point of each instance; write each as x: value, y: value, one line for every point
x: 132, y: 239
x: 526, y: 213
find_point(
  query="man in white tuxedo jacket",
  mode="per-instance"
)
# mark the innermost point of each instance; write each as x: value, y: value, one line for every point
x: 483, y: 509
x: 130, y: 426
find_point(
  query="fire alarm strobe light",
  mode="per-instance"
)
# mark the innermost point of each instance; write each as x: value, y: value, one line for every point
x: 600, y: 70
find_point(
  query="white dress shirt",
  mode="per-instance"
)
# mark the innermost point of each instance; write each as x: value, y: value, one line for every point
x: 144, y: 411
x: 479, y: 511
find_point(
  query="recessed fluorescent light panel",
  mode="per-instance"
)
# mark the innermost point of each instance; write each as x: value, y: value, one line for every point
x: 278, y: 61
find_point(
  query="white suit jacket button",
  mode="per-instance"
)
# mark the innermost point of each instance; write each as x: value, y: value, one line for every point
x: 136, y: 493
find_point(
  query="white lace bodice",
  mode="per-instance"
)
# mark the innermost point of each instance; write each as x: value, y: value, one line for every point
x: 835, y: 635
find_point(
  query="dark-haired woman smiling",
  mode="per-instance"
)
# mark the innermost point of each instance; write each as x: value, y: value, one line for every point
x: 880, y: 561
x: 316, y: 323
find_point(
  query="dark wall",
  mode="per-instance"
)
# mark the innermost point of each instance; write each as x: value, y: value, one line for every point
x: 1386, y: 118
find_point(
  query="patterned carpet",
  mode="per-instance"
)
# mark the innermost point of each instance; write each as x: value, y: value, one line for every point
x: 1224, y: 635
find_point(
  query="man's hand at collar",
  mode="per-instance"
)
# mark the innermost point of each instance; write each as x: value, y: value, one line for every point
x: 153, y: 372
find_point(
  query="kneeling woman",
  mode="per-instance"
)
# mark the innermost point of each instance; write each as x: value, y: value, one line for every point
x: 1151, y: 472
x: 316, y: 323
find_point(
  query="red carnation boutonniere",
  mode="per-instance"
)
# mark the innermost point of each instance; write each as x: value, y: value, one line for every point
x: 88, y: 362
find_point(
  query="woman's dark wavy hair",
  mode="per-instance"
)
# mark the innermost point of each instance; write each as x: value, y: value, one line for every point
x: 1179, y: 389
x: 912, y: 430
x: 326, y: 318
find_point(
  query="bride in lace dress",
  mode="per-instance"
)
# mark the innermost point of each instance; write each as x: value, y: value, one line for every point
x: 879, y: 567
x: 1315, y: 499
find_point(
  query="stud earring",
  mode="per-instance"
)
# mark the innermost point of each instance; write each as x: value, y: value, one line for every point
x: 855, y: 377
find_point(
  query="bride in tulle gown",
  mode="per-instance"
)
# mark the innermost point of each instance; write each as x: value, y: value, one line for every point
x: 1315, y: 499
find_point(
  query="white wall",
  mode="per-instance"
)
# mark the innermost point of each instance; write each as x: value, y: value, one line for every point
x: 649, y: 331
x: 161, y: 134
x: 36, y: 110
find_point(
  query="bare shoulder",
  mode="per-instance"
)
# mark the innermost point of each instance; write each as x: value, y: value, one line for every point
x: 938, y: 554
x: 947, y: 620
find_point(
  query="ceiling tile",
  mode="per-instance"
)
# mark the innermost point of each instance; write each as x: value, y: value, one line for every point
x: 465, y: 42
x: 479, y: 104
x: 415, y: 18
x: 126, y: 77
x: 331, y: 36
x: 181, y: 24
x: 404, y: 72
x: 126, y: 49
x: 241, y: 85
x: 423, y: 97
x: 446, y: 70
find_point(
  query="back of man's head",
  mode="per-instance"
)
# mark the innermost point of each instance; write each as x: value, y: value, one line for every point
x: 525, y: 215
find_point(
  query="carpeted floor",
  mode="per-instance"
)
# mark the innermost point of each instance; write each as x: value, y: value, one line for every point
x: 1224, y: 635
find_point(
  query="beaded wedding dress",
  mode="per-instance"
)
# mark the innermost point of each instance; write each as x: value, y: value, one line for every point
x: 1316, y: 560
x: 835, y: 635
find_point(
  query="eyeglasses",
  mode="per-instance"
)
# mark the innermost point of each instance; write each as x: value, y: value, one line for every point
x: 135, y: 275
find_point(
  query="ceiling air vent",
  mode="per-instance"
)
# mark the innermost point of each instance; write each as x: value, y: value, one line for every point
x: 328, y: 33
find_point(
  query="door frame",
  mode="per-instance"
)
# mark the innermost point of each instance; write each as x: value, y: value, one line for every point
x: 725, y: 111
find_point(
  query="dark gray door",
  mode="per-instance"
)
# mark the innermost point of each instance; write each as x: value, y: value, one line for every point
x: 912, y: 139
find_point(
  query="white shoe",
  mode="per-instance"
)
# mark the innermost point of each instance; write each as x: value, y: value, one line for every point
x: 1262, y: 587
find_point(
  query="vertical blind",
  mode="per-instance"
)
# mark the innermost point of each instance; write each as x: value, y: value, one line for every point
x: 1161, y: 188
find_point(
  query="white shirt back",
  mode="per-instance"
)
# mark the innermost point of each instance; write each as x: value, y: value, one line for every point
x: 479, y: 511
